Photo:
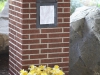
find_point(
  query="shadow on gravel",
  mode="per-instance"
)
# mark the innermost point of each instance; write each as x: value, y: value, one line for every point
x: 4, y: 64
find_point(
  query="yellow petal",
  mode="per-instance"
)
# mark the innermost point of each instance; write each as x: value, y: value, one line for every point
x: 56, y: 66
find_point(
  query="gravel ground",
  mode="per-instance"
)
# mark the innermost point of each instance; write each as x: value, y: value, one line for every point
x: 4, y: 61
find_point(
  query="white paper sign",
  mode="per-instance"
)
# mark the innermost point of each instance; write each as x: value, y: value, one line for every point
x: 46, y: 14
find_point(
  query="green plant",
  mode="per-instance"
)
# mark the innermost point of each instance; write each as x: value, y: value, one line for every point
x: 98, y: 3
x: 2, y: 3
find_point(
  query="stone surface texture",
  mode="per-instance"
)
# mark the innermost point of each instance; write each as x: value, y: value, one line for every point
x: 4, y: 29
x: 85, y: 41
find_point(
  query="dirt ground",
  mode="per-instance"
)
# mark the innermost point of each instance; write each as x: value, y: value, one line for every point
x: 4, y: 61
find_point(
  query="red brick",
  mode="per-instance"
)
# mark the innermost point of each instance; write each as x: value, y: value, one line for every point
x: 51, y: 50
x: 13, y: 41
x: 11, y: 25
x: 18, y: 4
x: 18, y: 29
x: 17, y: 39
x: 11, y: 49
x: 28, y: 21
x: 60, y: 64
x: 11, y: 54
x: 30, y: 41
x: 66, y: 29
x: 24, y: 46
x: 32, y: 26
x: 60, y: 9
x: 12, y: 22
x: 11, y: 35
x: 30, y: 62
x: 17, y: 19
x: 38, y: 46
x: 64, y: 15
x: 25, y: 67
x: 50, y: 60
x: 25, y: 5
x: 60, y: 55
x: 19, y: 45
x: 66, y: 49
x: 22, y: 15
x: 66, y: 19
x: 12, y: 45
x: 65, y: 69
x: 13, y: 60
x: 63, y: 4
x: 11, y: 16
x: 60, y: 20
x: 51, y: 40
x: 60, y: 0
x: 66, y: 59
x: 66, y: 9
x: 25, y: 26
x: 59, y: 45
x: 67, y: 1
x: 19, y: 35
x: 28, y: 1
x: 18, y: 25
x: 64, y: 25
x: 65, y: 39
x: 38, y: 56
x: 59, y: 35
x: 32, y: 15
x: 18, y: 49
x: 30, y: 51
x: 25, y: 57
x: 12, y: 12
x: 51, y: 30
x: 32, y: 31
x: 17, y: 9
x: 28, y: 10
x: 32, y: 5
x: 17, y: 59
x: 38, y: 36
x: 12, y: 70
x: 25, y: 36
x: 12, y: 64
x: 11, y: 7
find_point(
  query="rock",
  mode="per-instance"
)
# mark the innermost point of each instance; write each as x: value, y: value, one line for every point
x: 85, y: 41
x: 4, y: 29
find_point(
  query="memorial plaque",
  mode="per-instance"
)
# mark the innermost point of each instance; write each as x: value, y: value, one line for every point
x: 46, y: 15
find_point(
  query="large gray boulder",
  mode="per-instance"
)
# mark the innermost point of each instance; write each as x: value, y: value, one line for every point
x: 85, y: 41
x: 4, y: 29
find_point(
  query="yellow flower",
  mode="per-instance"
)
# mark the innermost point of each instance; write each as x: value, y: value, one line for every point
x: 23, y: 72
x: 42, y: 70
x: 48, y: 70
x: 61, y: 72
x: 42, y: 67
x: 43, y: 73
x: 32, y: 67
x: 56, y: 67
x: 31, y: 72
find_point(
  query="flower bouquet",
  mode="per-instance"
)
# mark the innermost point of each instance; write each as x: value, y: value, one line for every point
x: 42, y: 70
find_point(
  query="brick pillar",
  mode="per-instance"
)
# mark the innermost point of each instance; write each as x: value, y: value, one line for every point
x: 31, y: 45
